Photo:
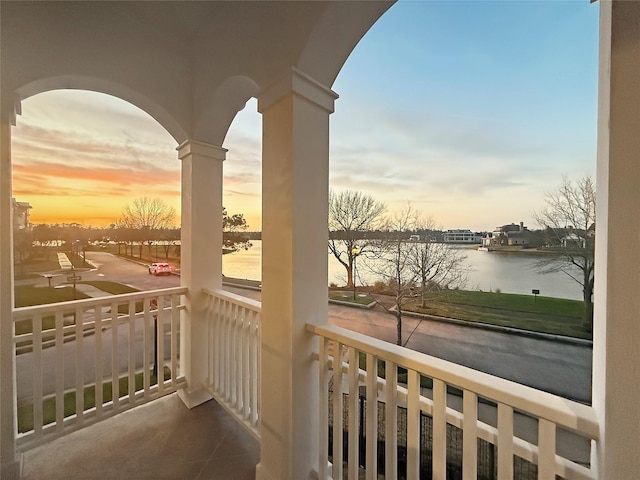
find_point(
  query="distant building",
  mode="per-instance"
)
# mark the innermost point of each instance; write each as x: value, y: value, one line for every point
x: 20, y: 215
x: 507, y: 235
x: 462, y: 236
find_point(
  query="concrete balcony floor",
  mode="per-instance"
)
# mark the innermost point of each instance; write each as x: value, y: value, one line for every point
x: 157, y: 441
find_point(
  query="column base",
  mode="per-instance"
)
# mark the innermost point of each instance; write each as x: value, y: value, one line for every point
x: 193, y: 398
x: 262, y: 474
x: 11, y: 470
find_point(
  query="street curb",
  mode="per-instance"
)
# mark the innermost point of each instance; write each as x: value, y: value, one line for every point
x: 498, y: 328
x: 362, y: 306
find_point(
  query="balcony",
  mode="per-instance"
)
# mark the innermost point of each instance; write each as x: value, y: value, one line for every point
x: 82, y: 361
x: 160, y: 440
x: 432, y: 417
x: 286, y: 379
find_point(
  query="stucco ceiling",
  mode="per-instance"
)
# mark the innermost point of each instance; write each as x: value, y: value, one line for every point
x: 172, y: 58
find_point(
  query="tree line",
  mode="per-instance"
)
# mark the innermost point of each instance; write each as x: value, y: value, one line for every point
x: 144, y: 222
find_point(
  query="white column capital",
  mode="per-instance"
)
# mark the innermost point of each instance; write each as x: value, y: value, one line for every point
x: 194, y: 147
x: 10, y: 108
x: 298, y: 83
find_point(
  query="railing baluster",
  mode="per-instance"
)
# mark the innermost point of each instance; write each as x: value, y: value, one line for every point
x: 470, y: 436
x: 439, y: 429
x: 115, y: 359
x: 258, y: 368
x: 162, y: 321
x: 98, y: 359
x: 253, y: 368
x: 338, y: 407
x: 37, y: 374
x: 210, y: 316
x: 226, y: 348
x: 237, y: 357
x: 213, y: 313
x: 246, y: 347
x: 59, y: 370
x: 413, y: 424
x: 132, y: 352
x: 147, y: 328
x: 175, y: 325
x: 372, y: 417
x: 354, y: 416
x: 79, y: 330
x: 546, y: 450
x: 391, y: 421
x: 323, y: 410
x: 505, y: 442
x: 232, y: 354
x: 219, y: 372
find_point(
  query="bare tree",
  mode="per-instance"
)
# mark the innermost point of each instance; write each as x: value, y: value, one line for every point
x: 569, y: 222
x: 435, y: 264
x: 233, y: 236
x: 147, y: 216
x: 352, y: 216
x: 394, y: 264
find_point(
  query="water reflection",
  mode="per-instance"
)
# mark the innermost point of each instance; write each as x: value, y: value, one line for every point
x: 488, y: 271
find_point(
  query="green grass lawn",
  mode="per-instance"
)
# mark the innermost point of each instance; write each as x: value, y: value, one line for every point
x: 25, y: 412
x: 113, y: 288
x: 541, y: 314
x: 30, y: 295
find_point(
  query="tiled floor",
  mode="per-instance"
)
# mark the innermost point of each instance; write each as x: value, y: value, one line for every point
x: 162, y: 440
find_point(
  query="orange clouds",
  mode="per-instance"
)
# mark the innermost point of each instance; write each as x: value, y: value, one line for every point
x: 82, y: 157
x: 48, y: 178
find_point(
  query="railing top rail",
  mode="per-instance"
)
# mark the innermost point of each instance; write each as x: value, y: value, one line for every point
x: 566, y: 413
x: 26, y: 312
x: 245, y: 302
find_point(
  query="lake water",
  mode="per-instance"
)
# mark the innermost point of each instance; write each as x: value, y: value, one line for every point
x: 487, y: 271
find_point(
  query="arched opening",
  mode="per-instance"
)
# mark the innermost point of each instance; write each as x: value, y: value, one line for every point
x: 473, y: 114
x: 242, y: 195
x: 99, y: 174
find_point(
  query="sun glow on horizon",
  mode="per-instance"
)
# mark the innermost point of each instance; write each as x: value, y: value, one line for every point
x: 81, y: 157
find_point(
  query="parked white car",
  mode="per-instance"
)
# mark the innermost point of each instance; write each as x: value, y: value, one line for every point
x: 159, y: 268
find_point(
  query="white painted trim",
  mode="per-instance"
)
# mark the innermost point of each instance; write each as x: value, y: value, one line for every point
x: 300, y: 84
x: 194, y: 147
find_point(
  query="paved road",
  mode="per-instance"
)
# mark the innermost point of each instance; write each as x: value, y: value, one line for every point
x: 560, y: 368
x: 556, y: 367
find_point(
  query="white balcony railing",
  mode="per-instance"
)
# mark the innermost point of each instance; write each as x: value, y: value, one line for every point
x: 522, y: 424
x: 82, y: 361
x: 233, y: 324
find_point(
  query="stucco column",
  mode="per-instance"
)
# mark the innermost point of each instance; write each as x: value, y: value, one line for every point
x: 200, y: 258
x: 9, y: 466
x: 295, y: 178
x: 616, y: 342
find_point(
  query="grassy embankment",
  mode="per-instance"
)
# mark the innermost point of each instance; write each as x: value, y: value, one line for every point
x: 526, y: 312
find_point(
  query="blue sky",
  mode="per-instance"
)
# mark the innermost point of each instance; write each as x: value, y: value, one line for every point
x: 471, y: 110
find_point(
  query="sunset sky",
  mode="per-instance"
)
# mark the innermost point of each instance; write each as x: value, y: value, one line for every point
x: 470, y: 110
